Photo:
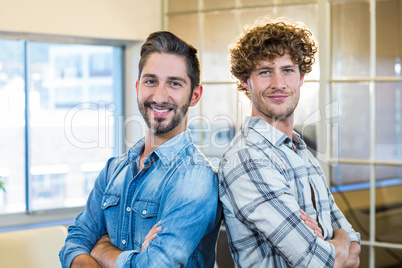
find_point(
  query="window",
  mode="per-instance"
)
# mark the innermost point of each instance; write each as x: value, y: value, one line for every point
x: 59, y: 111
x: 12, y: 124
x: 350, y: 108
x: 365, y: 84
x: 222, y: 109
x: 91, y: 171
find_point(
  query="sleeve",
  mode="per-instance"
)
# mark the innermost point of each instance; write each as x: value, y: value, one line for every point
x: 89, y: 224
x: 190, y: 212
x: 256, y: 190
x: 335, y: 219
x: 339, y: 221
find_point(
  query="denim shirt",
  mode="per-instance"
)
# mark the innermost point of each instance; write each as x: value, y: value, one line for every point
x: 177, y: 186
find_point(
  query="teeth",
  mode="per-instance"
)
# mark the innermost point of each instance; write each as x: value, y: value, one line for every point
x: 160, y: 111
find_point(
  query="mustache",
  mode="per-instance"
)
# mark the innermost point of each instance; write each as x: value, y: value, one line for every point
x: 161, y: 105
x: 279, y: 91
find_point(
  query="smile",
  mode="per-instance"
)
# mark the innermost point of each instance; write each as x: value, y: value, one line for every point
x: 161, y: 110
x: 277, y: 97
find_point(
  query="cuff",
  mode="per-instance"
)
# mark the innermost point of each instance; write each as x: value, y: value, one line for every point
x: 125, y: 257
x: 69, y: 259
x: 355, y: 237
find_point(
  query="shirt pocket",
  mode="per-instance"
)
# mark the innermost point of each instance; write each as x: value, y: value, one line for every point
x: 110, y: 210
x: 145, y: 217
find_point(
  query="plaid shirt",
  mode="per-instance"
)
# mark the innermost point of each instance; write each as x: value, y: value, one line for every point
x: 263, y: 184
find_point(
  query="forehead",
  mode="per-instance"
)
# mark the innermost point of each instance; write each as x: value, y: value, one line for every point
x: 165, y: 65
x: 279, y: 61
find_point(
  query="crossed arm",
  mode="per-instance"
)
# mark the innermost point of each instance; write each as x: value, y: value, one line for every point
x: 347, y: 252
x: 105, y: 254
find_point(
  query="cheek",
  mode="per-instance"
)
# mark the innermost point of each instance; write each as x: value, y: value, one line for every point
x: 295, y: 85
x: 143, y: 95
x: 252, y: 87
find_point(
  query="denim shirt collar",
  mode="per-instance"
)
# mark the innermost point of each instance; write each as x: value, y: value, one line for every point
x: 273, y: 135
x: 168, y: 152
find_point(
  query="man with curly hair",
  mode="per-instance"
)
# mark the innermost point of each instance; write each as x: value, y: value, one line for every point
x: 277, y: 207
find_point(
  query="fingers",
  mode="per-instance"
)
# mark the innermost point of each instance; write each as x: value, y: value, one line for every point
x: 319, y: 234
x: 153, y: 231
x: 151, y: 236
x: 311, y: 223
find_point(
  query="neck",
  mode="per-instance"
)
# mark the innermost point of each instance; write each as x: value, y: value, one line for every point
x: 153, y: 141
x: 283, y: 125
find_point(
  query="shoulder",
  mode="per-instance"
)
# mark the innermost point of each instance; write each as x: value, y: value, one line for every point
x: 114, y: 164
x: 112, y: 170
x: 193, y: 171
x: 247, y: 148
x: 195, y: 159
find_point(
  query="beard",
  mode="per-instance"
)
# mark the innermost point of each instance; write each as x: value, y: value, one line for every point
x: 276, y: 111
x: 162, y: 125
x: 278, y: 115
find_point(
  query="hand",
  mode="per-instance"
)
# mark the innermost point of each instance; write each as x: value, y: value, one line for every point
x: 151, y: 236
x: 353, y: 260
x: 313, y: 224
x: 341, y: 242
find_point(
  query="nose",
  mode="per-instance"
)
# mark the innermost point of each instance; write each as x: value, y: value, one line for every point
x: 161, y: 94
x: 277, y: 81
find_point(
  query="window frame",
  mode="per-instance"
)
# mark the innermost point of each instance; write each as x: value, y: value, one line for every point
x: 325, y: 80
x: 64, y: 216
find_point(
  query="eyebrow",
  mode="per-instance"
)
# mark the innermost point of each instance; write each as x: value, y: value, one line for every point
x: 289, y: 66
x: 148, y: 75
x: 271, y: 68
x: 178, y: 78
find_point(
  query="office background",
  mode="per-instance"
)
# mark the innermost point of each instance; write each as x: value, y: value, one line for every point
x: 69, y: 69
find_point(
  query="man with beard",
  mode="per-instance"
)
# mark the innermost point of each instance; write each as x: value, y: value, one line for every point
x: 157, y: 205
x: 269, y: 182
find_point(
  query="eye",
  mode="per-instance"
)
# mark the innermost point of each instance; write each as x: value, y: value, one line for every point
x: 150, y: 82
x: 175, y: 84
x: 288, y: 70
x: 265, y: 72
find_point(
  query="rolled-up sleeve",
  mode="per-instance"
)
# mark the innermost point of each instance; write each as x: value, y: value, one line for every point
x: 89, y: 224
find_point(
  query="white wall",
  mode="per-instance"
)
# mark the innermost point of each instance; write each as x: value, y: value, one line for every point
x: 134, y: 125
x: 110, y: 19
x: 129, y: 20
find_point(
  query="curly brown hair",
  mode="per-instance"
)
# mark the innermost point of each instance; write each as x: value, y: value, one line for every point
x: 268, y: 42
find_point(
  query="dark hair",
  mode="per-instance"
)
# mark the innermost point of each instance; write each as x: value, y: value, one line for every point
x: 166, y: 42
x: 268, y: 42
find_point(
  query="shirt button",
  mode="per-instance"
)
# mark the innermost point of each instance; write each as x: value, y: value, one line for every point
x: 128, y: 209
x: 104, y: 204
x: 144, y: 212
x: 123, y: 241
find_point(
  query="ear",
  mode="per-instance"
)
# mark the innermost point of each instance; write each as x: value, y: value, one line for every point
x: 245, y: 84
x: 197, y: 93
x: 136, y: 87
x: 301, y: 80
